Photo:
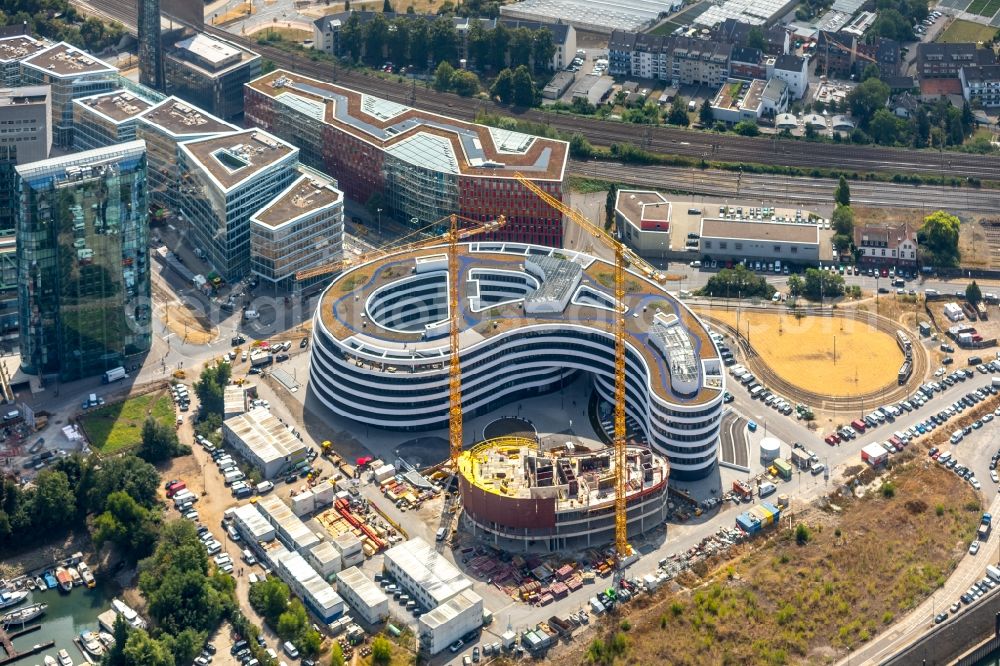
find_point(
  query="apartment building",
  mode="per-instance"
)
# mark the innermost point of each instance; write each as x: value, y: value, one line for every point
x: 680, y: 60
x: 421, y: 166
x: 981, y: 84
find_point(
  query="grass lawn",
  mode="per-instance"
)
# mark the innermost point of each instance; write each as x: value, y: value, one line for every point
x: 966, y: 31
x: 114, y: 428
x: 286, y: 33
x: 984, y: 7
x: 665, y: 28
x: 801, y: 350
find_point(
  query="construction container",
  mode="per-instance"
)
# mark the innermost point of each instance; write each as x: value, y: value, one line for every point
x: 784, y: 468
x: 323, y: 492
x: 303, y: 503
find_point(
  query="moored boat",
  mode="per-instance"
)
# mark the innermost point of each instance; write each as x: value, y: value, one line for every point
x: 23, y: 615
x: 128, y: 613
x: 88, y: 577
x: 10, y: 598
x: 64, y: 578
x: 49, y: 660
x: 50, y: 580
x: 90, y: 641
x: 75, y: 575
x: 30, y: 583
x: 107, y: 639
x: 39, y: 582
x: 64, y: 658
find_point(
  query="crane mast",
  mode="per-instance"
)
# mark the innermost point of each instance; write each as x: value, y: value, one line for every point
x: 455, y: 362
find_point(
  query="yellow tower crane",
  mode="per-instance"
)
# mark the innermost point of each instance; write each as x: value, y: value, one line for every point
x: 454, y: 234
x: 623, y: 256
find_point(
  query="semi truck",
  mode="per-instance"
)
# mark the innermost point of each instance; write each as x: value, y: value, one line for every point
x: 260, y: 358
x: 114, y: 375
x: 801, y: 459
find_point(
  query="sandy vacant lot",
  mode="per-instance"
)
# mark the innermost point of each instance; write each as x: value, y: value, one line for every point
x: 801, y: 351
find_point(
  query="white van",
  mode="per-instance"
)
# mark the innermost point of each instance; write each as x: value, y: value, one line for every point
x: 767, y: 488
x: 441, y: 534
x: 248, y: 557
x: 944, y: 457
x: 234, y: 476
x: 264, y: 487
x: 993, y: 573
x: 956, y: 437
x: 290, y: 650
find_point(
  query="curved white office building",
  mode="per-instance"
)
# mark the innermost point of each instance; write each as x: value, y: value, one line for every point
x: 531, y: 317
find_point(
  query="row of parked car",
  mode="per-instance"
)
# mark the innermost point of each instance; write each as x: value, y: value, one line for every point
x: 759, y: 392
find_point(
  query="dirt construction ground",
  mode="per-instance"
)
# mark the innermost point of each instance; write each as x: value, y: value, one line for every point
x: 808, y: 600
x: 801, y: 351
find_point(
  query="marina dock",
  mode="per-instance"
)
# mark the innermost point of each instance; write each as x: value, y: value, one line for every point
x: 12, y: 655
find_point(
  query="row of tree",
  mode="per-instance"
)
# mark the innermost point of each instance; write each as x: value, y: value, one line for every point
x: 287, y: 616
x: 58, y: 20
x: 416, y: 40
x: 737, y: 282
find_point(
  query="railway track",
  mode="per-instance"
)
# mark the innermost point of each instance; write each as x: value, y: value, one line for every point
x: 668, y: 140
x: 795, y: 190
x: 857, y: 403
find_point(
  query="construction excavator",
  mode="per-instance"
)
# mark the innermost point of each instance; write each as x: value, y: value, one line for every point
x: 624, y: 258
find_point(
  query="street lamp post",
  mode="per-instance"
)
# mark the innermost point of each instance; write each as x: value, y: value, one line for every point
x: 379, y: 223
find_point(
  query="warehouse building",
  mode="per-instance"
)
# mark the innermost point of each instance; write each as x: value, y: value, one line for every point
x: 423, y: 572
x: 234, y: 401
x: 450, y: 621
x: 784, y: 242
x: 266, y: 442
x: 363, y: 595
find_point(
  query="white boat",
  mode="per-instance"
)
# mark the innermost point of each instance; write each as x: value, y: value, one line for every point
x: 64, y: 658
x: 106, y: 639
x: 49, y: 660
x: 40, y: 583
x: 130, y: 615
x: 88, y: 577
x: 30, y: 583
x: 12, y: 597
x: 23, y: 615
x: 75, y: 575
x: 90, y: 641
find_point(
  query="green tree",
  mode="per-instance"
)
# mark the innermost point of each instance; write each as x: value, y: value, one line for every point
x: 53, y: 504
x: 184, y: 646
x: 520, y: 47
x: 891, y: 24
x: 746, y: 128
x: 523, y: 87
x: 866, y: 99
x: 211, y: 388
x: 130, y: 474
x: 888, y: 130
x: 443, y: 39
x: 336, y: 655
x: 381, y: 651
x: 127, y: 524
x: 309, y: 643
x: 796, y: 286
x: 477, y: 42
x: 398, y: 41
x: 420, y: 43
x: 737, y: 282
x: 352, y: 35
x: 802, y: 534
x: 443, y: 76
x: 842, y: 220
x: 502, y: 89
x: 543, y: 49
x: 871, y: 71
x: 142, y: 650
x: 159, y: 442
x: 270, y: 598
x: 939, y: 237
x: 293, y: 621
x: 755, y: 38
x: 705, y: 115
x: 115, y: 656
x: 973, y: 293
x: 678, y: 114
x: 823, y: 284
x: 609, y: 206
x: 387, y: 7
x: 376, y: 34
x: 842, y: 195
x: 499, y: 38
x: 465, y: 83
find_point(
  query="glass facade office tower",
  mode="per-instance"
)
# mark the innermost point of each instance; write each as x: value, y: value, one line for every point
x: 83, y: 263
x: 150, y: 45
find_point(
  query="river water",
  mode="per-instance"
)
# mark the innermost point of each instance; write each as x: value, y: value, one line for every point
x: 66, y: 616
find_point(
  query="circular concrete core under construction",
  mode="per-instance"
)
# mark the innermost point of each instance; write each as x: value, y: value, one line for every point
x: 562, y: 498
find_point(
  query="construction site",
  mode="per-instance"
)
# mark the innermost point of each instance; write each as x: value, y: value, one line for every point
x: 517, y: 495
